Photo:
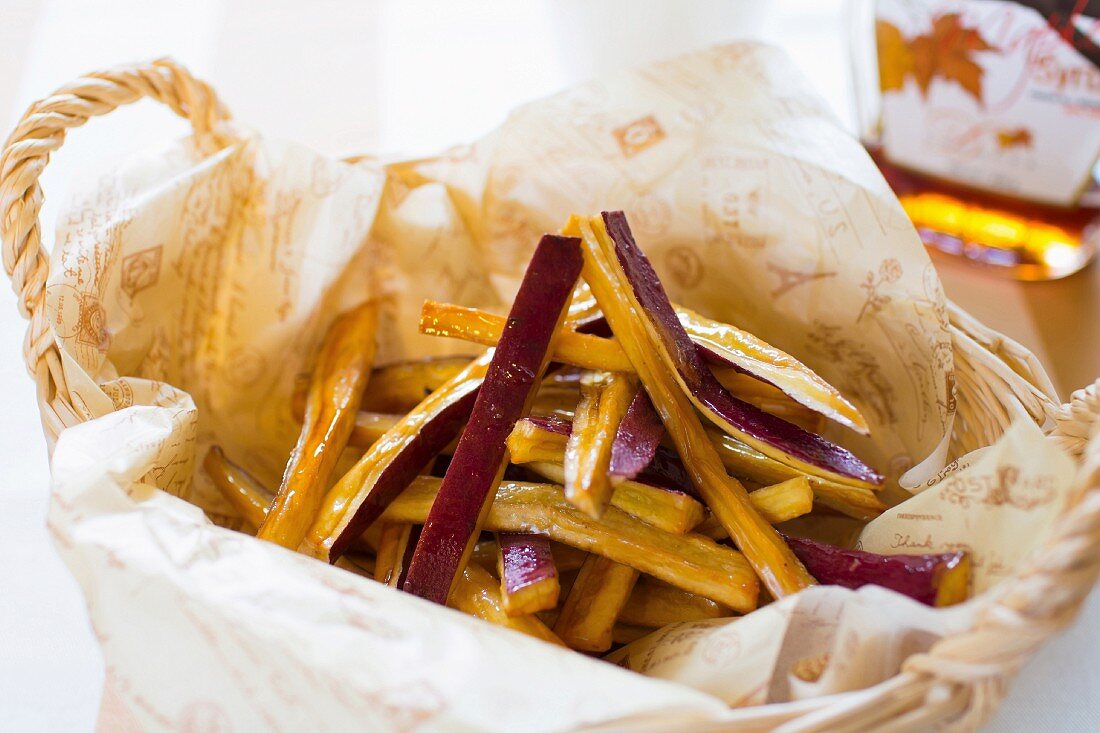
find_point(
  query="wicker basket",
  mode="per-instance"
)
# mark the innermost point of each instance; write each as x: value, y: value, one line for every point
x: 956, y: 685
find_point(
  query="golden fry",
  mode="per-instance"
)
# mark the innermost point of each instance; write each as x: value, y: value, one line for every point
x: 692, y: 562
x: 774, y: 562
x: 393, y: 545
x: 369, y: 426
x: 336, y: 388
x: 593, y: 604
x: 478, y: 594
x: 245, y: 494
x: 672, y: 511
x: 528, y: 574
x: 768, y: 398
x: 604, y: 400
x: 343, y: 500
x: 480, y: 327
x: 777, y: 503
x: 738, y: 458
x: 399, y: 387
x: 654, y: 604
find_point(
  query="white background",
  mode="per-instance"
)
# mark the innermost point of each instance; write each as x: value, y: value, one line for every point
x: 407, y: 76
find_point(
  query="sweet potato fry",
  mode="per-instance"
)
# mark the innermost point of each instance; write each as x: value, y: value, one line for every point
x: 567, y: 558
x: 941, y: 579
x: 725, y: 346
x: 369, y: 426
x: 361, y: 495
x: 773, y: 436
x: 520, y: 359
x: 636, y: 440
x: 401, y: 386
x: 539, y: 439
x: 528, y: 576
x: 625, y: 633
x: 478, y: 594
x: 662, y: 505
x: 253, y: 500
x: 555, y: 401
x: 394, y: 549
x: 605, y: 398
x: 481, y: 327
x: 245, y: 494
x: 593, y: 604
x: 654, y: 604
x: 691, y: 562
x: 740, y: 459
x: 336, y: 388
x: 768, y: 398
x: 771, y: 558
x: 777, y: 503
x: 673, y: 511
x: 721, y: 345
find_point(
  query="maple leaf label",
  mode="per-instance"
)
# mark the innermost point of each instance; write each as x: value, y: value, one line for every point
x: 989, y: 95
x: 945, y: 53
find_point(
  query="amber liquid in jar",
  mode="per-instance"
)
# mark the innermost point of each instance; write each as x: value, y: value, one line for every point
x: 1020, y: 239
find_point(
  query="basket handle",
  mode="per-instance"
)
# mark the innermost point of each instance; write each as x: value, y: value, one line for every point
x: 40, y: 132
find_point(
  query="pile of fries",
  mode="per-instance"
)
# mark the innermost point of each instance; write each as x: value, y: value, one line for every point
x: 610, y: 464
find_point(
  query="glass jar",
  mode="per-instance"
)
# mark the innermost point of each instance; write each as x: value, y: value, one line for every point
x: 984, y: 116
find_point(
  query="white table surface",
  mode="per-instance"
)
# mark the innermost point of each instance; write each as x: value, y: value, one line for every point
x: 374, y: 76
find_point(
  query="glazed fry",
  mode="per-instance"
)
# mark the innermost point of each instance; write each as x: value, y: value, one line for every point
x: 773, y: 561
x: 721, y: 344
x: 625, y: 633
x: 937, y: 579
x: 637, y: 439
x: 245, y: 494
x: 480, y: 327
x: 691, y: 562
x: 654, y: 604
x: 740, y: 459
x: 478, y: 594
x: 535, y: 439
x: 369, y: 426
x: 777, y: 503
x: 567, y: 558
x: 401, y: 386
x: 555, y: 401
x: 394, y: 547
x: 518, y: 363
x: 672, y: 511
x: 768, y: 398
x: 335, y: 391
x: 528, y: 576
x: 604, y: 400
x: 361, y: 495
x: 593, y: 604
